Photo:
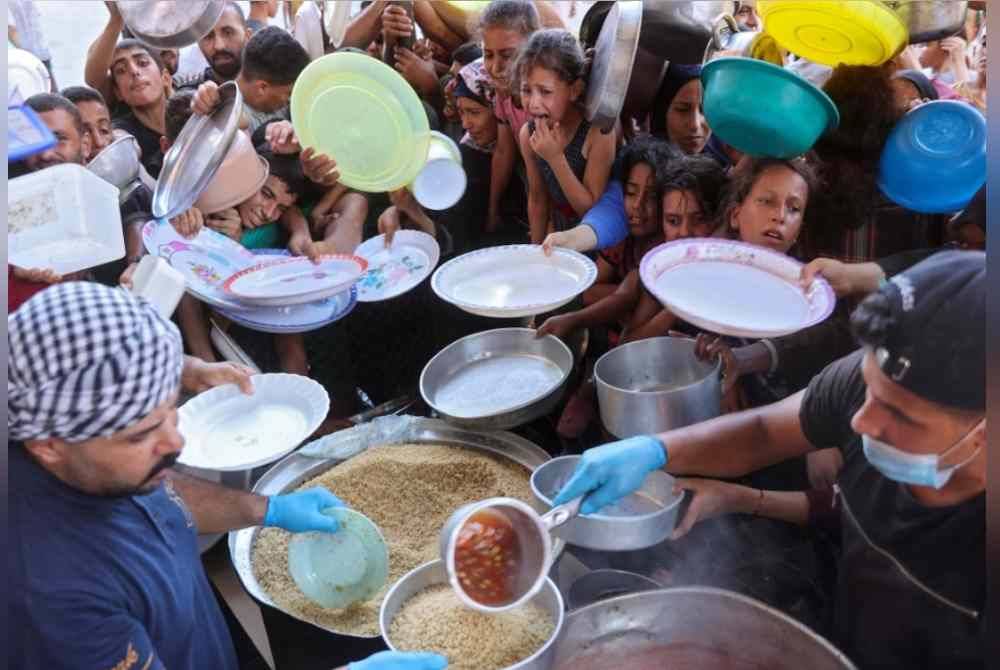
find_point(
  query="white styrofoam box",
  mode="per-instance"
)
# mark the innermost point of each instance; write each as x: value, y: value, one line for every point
x: 63, y: 218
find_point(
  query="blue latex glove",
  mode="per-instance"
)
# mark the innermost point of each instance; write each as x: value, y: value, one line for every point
x: 398, y: 660
x: 302, y: 511
x: 610, y: 472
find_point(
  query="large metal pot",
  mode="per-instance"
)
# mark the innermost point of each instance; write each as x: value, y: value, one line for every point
x: 711, y: 624
x: 611, y: 71
x: 429, y: 574
x: 165, y: 24
x: 655, y: 385
x: 929, y: 20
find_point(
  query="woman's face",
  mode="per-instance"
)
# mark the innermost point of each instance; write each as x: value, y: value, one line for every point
x: 686, y: 125
x: 499, y: 49
x: 546, y: 96
x: 771, y: 215
x: 683, y: 217
x: 477, y: 120
x: 905, y: 95
x: 640, y: 201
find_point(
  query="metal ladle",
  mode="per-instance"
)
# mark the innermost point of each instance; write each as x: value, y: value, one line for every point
x: 532, y: 531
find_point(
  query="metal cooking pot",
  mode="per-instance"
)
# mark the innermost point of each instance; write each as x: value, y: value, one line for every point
x: 729, y: 40
x: 611, y: 71
x: 519, y: 346
x: 733, y: 630
x: 671, y: 31
x: 929, y: 20
x: 655, y: 385
x: 600, y: 585
x: 429, y: 574
x: 165, y: 24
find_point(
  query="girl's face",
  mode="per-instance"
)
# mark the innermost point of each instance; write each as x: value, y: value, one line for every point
x: 683, y: 217
x: 771, y: 214
x: 686, y: 125
x: 499, y: 49
x: 547, y: 96
x: 640, y: 201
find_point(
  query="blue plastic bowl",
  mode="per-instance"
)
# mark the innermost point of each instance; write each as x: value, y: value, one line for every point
x: 934, y: 160
x: 764, y: 110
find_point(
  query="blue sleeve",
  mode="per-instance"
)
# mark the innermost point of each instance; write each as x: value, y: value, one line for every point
x: 607, y: 217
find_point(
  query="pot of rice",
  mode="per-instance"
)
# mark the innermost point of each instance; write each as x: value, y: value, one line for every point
x: 422, y: 613
x: 407, y: 489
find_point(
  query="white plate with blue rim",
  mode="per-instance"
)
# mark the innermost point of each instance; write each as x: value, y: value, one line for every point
x: 394, y: 270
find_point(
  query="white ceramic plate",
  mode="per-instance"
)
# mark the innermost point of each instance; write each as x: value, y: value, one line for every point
x: 206, y: 260
x: 394, y: 271
x: 514, y: 280
x: 295, y: 281
x: 26, y: 76
x: 734, y: 288
x: 225, y: 429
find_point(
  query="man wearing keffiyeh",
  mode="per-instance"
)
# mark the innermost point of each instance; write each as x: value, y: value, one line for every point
x: 104, y: 563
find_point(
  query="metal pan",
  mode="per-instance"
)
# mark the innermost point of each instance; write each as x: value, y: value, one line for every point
x: 497, y: 379
x: 611, y: 70
x: 930, y: 20
x: 196, y: 154
x: 294, y: 470
x: 170, y: 25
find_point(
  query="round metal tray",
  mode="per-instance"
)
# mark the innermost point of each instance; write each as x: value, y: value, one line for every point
x: 294, y: 470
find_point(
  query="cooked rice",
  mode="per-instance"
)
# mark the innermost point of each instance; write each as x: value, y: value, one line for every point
x: 409, y: 491
x: 435, y: 620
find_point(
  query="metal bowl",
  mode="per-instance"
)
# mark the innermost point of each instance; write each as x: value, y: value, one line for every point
x: 169, y: 24
x: 433, y: 573
x: 118, y: 164
x: 497, y: 379
x: 611, y: 71
x: 737, y: 631
x: 599, y: 585
x: 929, y: 20
x: 640, y: 520
x: 655, y: 385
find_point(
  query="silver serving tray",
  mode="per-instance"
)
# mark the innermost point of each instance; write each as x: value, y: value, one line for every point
x: 293, y: 470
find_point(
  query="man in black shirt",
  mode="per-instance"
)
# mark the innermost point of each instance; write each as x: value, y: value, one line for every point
x: 143, y: 83
x: 908, y: 414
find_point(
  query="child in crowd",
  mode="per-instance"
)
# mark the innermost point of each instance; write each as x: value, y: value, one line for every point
x: 504, y: 26
x: 568, y: 160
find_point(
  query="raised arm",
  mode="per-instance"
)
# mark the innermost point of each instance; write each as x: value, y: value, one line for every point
x: 97, y: 69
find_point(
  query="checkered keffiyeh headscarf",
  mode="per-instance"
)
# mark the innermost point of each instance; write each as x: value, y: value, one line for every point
x: 86, y: 361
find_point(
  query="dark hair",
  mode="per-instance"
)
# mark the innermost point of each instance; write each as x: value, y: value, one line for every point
x: 78, y: 94
x: 273, y: 55
x: 701, y: 175
x: 132, y: 43
x: 553, y: 49
x: 467, y: 53
x: 521, y: 16
x: 873, y: 320
x: 177, y: 113
x: 748, y: 171
x: 50, y: 102
x: 285, y: 167
x: 644, y: 149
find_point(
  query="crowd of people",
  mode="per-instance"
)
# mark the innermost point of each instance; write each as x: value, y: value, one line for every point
x: 509, y: 92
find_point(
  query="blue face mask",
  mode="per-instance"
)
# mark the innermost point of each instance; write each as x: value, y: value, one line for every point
x: 915, y: 469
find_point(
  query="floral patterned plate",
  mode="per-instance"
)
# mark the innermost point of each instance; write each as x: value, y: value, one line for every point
x: 734, y: 288
x: 395, y: 270
x: 206, y: 260
x: 295, y: 281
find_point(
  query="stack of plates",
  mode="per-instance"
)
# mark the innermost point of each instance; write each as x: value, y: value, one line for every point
x: 277, y: 294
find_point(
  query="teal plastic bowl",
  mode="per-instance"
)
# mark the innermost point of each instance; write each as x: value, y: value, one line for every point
x: 764, y: 110
x: 336, y: 569
x: 934, y: 160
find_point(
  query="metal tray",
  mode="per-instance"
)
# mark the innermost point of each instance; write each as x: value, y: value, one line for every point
x: 293, y: 470
x: 612, y: 67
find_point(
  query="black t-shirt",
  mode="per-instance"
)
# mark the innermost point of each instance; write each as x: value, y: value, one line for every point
x: 912, y: 579
x: 148, y: 139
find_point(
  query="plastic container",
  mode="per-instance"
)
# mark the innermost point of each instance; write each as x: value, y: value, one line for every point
x: 336, y: 569
x: 934, y: 160
x: 158, y: 283
x: 64, y: 218
x: 27, y: 135
x: 442, y: 181
x: 239, y: 177
x: 764, y: 110
x: 365, y: 116
x: 834, y: 32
